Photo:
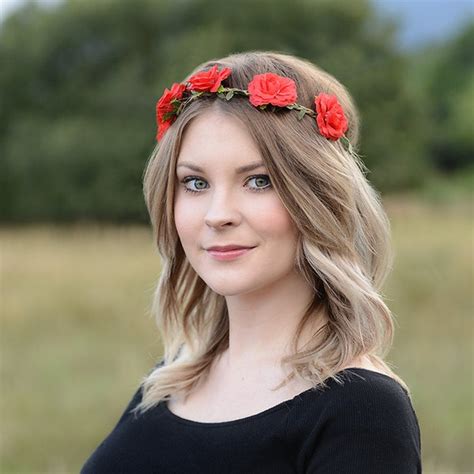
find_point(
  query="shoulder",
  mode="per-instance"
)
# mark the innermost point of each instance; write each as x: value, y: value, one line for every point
x: 358, y: 392
x: 369, y: 415
x: 363, y: 391
x: 372, y: 402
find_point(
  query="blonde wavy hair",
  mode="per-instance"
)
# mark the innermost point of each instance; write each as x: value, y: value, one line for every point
x: 344, y: 249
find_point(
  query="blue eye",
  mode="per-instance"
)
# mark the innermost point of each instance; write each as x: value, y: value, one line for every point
x: 264, y: 177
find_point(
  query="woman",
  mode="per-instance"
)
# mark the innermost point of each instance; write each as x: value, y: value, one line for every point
x: 274, y: 248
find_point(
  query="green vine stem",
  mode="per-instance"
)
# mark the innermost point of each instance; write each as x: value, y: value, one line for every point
x: 226, y: 93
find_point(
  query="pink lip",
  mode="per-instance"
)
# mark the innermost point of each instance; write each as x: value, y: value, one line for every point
x: 229, y: 254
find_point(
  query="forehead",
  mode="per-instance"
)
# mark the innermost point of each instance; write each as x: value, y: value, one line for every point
x: 216, y: 135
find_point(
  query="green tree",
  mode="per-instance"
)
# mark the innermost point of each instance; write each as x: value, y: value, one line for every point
x: 451, y: 93
x: 442, y: 77
x: 79, y: 84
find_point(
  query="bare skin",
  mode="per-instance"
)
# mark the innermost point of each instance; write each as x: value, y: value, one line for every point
x: 229, y: 395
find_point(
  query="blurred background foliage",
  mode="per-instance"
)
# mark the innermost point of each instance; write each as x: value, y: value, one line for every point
x: 78, y: 87
x: 79, y: 83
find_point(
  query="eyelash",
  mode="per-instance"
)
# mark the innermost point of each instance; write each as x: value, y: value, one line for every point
x: 187, y: 179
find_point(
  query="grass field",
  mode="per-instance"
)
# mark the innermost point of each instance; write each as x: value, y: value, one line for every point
x: 77, y: 336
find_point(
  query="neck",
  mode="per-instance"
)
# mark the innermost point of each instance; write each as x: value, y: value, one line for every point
x: 263, y: 323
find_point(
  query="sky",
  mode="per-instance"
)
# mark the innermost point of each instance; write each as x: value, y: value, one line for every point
x: 423, y: 21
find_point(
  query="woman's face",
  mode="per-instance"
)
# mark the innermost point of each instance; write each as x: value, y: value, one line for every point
x: 230, y: 207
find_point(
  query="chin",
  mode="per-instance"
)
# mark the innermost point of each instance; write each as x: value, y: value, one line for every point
x: 230, y: 288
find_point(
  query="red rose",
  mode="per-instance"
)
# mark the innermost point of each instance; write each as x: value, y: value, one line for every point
x: 272, y: 89
x: 165, y: 109
x: 209, y: 80
x: 332, y: 122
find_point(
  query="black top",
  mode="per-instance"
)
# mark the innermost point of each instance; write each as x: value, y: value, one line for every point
x: 365, y: 426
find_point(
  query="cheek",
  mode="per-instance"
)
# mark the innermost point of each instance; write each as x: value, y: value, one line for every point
x: 280, y: 238
x: 184, y: 218
x: 267, y: 217
x: 276, y: 223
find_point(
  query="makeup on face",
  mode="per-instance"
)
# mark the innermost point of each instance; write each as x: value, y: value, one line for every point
x: 229, y: 254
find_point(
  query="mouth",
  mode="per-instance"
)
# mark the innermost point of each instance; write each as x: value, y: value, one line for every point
x: 229, y: 254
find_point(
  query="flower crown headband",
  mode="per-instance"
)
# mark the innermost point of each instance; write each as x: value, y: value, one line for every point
x: 264, y: 90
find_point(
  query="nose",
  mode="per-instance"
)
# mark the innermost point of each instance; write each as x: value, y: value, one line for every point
x: 222, y: 211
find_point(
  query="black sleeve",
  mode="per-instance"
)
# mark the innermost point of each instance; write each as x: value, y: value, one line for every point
x: 373, y: 429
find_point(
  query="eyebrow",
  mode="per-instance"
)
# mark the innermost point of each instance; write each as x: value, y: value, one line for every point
x: 241, y: 169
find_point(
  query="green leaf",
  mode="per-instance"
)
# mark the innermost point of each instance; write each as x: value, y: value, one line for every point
x: 168, y: 116
x: 301, y: 114
x: 229, y: 95
x: 347, y: 144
